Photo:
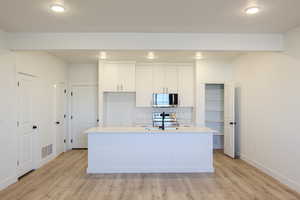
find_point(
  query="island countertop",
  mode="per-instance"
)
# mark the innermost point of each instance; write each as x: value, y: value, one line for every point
x: 101, y: 130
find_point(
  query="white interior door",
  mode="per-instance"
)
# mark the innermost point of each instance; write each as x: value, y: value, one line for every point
x: 60, y: 117
x: 229, y: 120
x: 26, y: 127
x: 84, y: 113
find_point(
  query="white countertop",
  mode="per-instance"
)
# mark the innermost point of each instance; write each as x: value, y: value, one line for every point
x: 100, y: 130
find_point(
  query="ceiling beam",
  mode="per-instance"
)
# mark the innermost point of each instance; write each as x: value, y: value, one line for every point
x: 145, y: 41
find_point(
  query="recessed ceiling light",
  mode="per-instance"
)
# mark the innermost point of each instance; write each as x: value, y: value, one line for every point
x: 199, y: 55
x: 57, y: 8
x: 252, y: 10
x: 103, y: 55
x: 151, y: 55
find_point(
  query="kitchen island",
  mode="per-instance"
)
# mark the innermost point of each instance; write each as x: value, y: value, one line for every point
x: 150, y: 150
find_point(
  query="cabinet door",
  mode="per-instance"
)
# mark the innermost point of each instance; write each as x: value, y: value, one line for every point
x: 158, y: 79
x: 171, y: 79
x: 144, y: 86
x: 110, y: 77
x: 126, y: 77
x: 186, y: 86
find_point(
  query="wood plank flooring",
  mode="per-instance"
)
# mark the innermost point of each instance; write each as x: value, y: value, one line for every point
x: 65, y: 179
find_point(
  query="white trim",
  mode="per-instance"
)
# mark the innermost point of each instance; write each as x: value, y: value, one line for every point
x: 275, y: 174
x: 150, y: 170
x: 179, y: 64
x: 118, y: 62
x: 147, y: 41
x: 5, y: 183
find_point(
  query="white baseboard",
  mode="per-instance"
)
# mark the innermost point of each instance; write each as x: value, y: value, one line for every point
x: 152, y: 170
x: 5, y: 183
x: 281, y: 178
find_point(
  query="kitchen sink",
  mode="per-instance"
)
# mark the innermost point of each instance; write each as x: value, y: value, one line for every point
x: 159, y: 129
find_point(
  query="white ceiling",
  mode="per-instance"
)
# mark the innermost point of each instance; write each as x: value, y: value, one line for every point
x: 218, y: 16
x: 91, y: 57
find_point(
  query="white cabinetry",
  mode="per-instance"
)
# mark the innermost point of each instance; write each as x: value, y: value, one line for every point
x: 165, y: 78
x: 158, y: 79
x: 171, y: 79
x: 144, y: 90
x: 118, y: 77
x: 186, y: 86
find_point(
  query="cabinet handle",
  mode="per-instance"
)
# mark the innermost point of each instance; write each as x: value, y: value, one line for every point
x: 121, y: 87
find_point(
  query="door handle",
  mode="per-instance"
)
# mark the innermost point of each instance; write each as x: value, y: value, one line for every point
x: 34, y: 127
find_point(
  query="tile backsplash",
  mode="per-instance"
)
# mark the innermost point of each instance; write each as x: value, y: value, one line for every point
x: 120, y: 110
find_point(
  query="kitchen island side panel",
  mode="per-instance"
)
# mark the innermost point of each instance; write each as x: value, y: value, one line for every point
x: 150, y: 153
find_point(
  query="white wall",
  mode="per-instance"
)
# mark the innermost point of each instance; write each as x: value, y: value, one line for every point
x: 214, y: 70
x: 269, y: 107
x: 83, y: 74
x: 48, y: 71
x: 8, y: 137
x: 3, y: 42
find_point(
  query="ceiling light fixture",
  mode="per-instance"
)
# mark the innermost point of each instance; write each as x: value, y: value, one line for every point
x: 151, y: 55
x: 199, y: 56
x: 103, y: 55
x: 58, y: 6
x: 252, y: 10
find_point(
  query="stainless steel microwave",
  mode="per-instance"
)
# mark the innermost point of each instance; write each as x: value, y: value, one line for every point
x: 165, y: 100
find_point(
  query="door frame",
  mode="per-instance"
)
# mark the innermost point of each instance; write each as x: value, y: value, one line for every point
x: 35, y: 138
x: 70, y: 102
x: 200, y: 112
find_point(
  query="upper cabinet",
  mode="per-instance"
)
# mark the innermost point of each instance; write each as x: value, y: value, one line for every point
x: 144, y: 90
x: 186, y: 86
x: 117, y: 76
x: 164, y: 78
x: 171, y: 79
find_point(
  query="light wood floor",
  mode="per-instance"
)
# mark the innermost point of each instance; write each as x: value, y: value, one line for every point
x: 65, y: 178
